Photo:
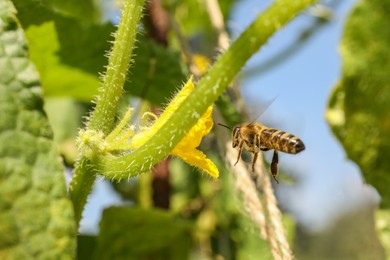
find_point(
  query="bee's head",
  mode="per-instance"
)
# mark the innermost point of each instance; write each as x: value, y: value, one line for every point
x: 235, y: 134
x: 236, y: 131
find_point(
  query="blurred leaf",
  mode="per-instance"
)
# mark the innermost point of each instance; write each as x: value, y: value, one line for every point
x: 136, y: 190
x: 156, y: 73
x: 358, y: 109
x: 86, y: 246
x: 68, y: 54
x: 84, y: 10
x: 65, y: 117
x: 36, y: 217
x: 228, y: 110
x: 195, y: 23
x: 134, y: 233
x: 185, y: 187
x: 382, y: 218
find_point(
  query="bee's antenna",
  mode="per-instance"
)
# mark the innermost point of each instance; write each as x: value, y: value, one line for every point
x: 224, y: 126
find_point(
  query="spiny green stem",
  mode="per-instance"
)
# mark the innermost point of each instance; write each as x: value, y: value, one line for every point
x: 107, y: 102
x: 207, y: 91
x: 103, y: 116
x: 81, y: 186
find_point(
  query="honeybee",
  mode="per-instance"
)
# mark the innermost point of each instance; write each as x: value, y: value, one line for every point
x: 256, y: 137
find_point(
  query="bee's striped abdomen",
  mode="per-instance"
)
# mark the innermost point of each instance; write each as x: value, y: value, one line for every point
x: 281, y: 141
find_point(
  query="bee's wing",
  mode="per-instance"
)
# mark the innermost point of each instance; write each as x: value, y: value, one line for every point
x: 257, y: 111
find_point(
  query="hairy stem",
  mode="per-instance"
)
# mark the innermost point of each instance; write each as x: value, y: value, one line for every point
x: 102, y: 118
x: 207, y: 91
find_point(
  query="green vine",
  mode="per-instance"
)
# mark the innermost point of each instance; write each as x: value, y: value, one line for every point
x: 102, y: 118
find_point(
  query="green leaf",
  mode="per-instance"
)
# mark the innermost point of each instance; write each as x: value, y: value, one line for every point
x: 195, y: 23
x: 157, y: 72
x: 65, y: 117
x: 69, y: 56
x: 68, y: 53
x: 148, y: 234
x: 358, y: 109
x: 36, y: 217
x: 382, y: 218
x: 84, y: 10
x: 86, y: 245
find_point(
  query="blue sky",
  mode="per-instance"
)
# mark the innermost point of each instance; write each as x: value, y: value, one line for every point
x: 328, y: 184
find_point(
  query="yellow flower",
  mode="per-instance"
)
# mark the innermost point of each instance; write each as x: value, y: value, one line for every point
x: 201, y: 62
x: 186, y: 148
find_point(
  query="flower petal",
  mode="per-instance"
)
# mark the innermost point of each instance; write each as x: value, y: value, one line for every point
x: 186, y: 148
x: 141, y: 138
x: 198, y: 159
x: 200, y: 129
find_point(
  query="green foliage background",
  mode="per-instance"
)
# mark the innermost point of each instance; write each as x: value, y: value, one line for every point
x: 36, y: 216
x: 359, y: 107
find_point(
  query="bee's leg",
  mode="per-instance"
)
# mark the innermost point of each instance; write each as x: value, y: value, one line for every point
x: 264, y: 149
x: 257, y: 144
x: 241, y: 147
x: 236, y: 137
x: 274, y: 165
x: 254, y: 161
